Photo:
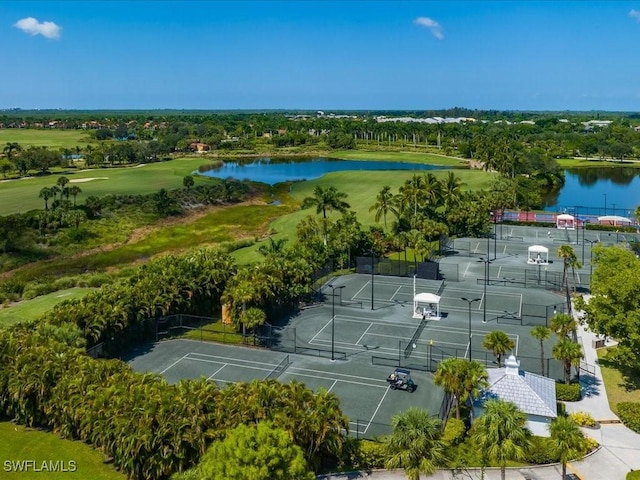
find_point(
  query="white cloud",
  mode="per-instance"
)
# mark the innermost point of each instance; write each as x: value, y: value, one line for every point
x: 32, y: 26
x: 635, y: 14
x: 436, y: 29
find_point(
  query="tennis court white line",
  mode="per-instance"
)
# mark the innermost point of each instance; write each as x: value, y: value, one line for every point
x: 332, y: 378
x: 351, y: 318
x: 174, y: 363
x: 334, y: 375
x: 378, y: 408
x: 216, y: 372
x: 231, y: 364
x: 358, y: 292
x: 396, y: 292
x: 322, y: 329
x: 365, y: 332
x: 223, y: 358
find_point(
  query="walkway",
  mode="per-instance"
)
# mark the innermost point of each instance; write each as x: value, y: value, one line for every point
x: 619, y: 452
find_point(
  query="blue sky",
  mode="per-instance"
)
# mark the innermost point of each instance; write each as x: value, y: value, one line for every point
x: 303, y: 54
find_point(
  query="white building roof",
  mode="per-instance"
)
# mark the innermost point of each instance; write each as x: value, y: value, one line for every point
x: 533, y: 394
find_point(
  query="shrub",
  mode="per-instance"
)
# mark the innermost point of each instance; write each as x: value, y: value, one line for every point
x: 584, y: 419
x: 629, y: 413
x: 541, y: 452
x: 454, y: 431
x: 37, y: 289
x: 64, y: 283
x: 591, y: 444
x: 363, y: 454
x: 568, y: 393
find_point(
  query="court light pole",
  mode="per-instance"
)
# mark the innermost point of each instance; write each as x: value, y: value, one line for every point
x: 333, y: 319
x: 470, y: 302
x: 373, y: 271
x: 591, y: 242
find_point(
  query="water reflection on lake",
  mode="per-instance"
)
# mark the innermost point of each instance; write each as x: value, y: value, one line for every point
x: 614, y: 191
x: 272, y: 171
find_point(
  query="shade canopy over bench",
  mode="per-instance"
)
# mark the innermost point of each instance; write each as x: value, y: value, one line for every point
x: 427, y: 306
x: 538, y: 255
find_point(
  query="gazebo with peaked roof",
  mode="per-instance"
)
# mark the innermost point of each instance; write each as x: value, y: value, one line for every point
x: 566, y: 221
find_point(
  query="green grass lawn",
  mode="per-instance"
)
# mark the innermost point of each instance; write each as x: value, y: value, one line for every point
x: 594, y: 162
x: 20, y: 444
x: 413, y: 157
x: 34, y: 308
x: 362, y: 188
x: 621, y: 385
x: 53, y: 139
x: 22, y: 195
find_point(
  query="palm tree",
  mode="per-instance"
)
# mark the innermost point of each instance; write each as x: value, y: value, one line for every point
x: 324, y: 200
x: 55, y: 190
x: 569, y: 353
x: 74, y: 190
x: 62, y: 183
x: 501, y: 433
x: 415, y: 443
x: 187, y: 182
x: 567, y: 440
x: 499, y: 343
x: 274, y: 247
x: 45, y: 194
x: 451, y: 191
x: 11, y: 147
x: 541, y: 333
x: 563, y: 325
x: 461, y: 378
x: 384, y: 204
x: 569, y: 259
x: 410, y: 191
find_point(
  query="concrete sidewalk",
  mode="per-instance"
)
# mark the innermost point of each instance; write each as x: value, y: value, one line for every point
x: 618, y: 454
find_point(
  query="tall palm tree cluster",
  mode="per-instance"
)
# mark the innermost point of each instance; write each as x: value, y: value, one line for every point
x: 62, y: 212
x: 425, y: 209
x: 150, y: 428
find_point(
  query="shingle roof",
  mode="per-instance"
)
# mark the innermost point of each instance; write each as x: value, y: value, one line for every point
x: 533, y: 394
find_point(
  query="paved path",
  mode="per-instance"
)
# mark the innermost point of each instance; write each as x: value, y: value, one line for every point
x: 619, y: 450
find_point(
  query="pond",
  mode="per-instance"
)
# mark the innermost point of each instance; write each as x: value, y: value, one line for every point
x: 598, y: 191
x: 595, y: 190
x: 272, y: 171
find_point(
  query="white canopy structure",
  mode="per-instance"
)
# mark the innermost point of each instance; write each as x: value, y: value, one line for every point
x: 427, y: 306
x: 614, y: 220
x: 566, y: 221
x: 538, y: 255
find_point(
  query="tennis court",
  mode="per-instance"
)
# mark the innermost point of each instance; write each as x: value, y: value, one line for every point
x: 365, y: 396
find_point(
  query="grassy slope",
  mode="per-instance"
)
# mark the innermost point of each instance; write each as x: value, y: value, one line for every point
x: 32, y: 309
x: 22, y: 195
x: 398, y: 157
x: 616, y: 382
x: 53, y: 139
x: 581, y: 162
x: 362, y: 188
x: 26, y: 444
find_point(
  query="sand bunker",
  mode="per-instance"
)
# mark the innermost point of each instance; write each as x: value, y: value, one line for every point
x: 82, y: 180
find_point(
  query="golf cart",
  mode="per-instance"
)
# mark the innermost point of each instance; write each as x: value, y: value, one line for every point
x: 400, y: 379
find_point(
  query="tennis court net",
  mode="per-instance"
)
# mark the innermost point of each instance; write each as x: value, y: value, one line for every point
x: 279, y: 369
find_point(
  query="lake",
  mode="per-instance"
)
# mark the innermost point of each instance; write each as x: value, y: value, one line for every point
x: 272, y: 171
x: 595, y: 190
x: 598, y: 191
